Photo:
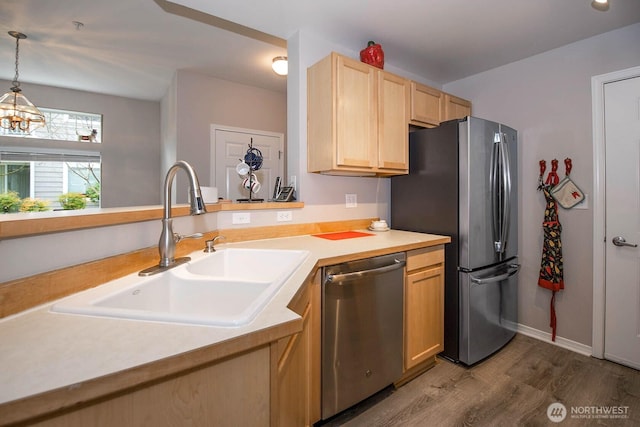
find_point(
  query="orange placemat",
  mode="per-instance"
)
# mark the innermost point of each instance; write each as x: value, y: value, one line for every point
x: 342, y: 235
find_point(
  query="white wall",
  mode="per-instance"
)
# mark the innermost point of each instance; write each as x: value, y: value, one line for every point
x: 304, y: 50
x: 547, y: 98
x: 132, y: 159
x: 130, y: 141
x: 204, y: 100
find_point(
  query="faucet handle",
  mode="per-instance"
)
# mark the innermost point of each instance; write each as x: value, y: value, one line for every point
x: 179, y: 237
x: 210, y: 243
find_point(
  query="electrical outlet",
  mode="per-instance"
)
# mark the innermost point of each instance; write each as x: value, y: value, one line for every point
x: 282, y: 216
x: 241, y: 218
x: 351, y: 200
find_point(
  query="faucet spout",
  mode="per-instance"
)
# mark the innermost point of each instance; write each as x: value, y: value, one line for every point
x: 197, y: 203
x: 168, y: 239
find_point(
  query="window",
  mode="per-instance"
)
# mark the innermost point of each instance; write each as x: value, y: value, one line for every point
x: 14, y: 176
x: 45, y: 176
x: 64, y: 125
x: 33, y: 179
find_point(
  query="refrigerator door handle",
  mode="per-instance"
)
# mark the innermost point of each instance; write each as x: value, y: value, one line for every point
x: 513, y: 269
x: 506, y: 191
x: 500, y: 185
x: 493, y: 188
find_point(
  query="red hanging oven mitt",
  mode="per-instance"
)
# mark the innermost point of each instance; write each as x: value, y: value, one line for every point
x: 373, y: 55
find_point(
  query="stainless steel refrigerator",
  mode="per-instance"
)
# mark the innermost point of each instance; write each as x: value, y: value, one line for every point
x: 463, y: 182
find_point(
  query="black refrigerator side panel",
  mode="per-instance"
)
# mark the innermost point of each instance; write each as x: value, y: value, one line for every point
x: 427, y: 201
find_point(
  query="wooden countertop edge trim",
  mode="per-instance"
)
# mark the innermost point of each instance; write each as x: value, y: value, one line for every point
x: 75, y: 396
x: 29, y: 224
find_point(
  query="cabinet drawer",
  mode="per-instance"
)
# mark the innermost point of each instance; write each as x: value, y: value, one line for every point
x: 421, y: 258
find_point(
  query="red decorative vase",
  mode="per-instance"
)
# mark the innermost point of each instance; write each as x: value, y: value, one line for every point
x: 373, y: 55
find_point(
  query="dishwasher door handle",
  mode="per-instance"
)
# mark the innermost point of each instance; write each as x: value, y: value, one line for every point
x: 337, y: 278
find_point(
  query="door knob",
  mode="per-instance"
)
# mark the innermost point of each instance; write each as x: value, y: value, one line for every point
x: 619, y: 241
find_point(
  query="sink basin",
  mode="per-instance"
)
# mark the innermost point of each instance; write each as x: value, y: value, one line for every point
x: 247, y: 264
x: 217, y: 289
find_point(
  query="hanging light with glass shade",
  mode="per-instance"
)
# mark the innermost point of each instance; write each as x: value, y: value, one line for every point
x: 17, y: 113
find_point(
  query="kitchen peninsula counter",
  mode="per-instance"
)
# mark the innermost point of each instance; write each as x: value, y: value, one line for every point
x: 52, y: 361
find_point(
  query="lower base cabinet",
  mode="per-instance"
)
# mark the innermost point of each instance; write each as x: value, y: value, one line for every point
x: 232, y: 392
x: 424, y: 306
x: 297, y: 401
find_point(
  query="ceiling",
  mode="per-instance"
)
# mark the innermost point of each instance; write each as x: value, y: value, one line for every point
x: 133, y: 47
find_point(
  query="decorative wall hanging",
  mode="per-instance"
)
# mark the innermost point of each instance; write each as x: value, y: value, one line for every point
x: 566, y: 192
x: 551, y: 267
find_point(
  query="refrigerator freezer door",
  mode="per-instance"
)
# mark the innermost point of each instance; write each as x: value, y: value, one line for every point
x: 488, y: 193
x: 489, y: 310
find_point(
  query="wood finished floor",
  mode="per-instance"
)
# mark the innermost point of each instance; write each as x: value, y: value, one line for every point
x: 512, y: 388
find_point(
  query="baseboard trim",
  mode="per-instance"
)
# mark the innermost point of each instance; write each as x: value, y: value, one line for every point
x: 560, y: 342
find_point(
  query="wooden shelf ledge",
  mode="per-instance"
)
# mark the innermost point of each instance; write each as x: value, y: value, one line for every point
x: 33, y: 223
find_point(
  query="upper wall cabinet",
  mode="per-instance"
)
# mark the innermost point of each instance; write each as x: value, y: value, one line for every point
x: 455, y: 108
x: 357, y: 119
x: 427, y: 105
x: 430, y: 107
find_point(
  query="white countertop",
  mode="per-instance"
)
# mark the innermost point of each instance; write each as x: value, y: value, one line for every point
x: 44, y: 351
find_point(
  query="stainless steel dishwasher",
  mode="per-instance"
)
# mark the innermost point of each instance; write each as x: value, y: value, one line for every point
x: 362, y: 305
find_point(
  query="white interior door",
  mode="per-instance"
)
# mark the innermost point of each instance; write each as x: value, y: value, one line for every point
x: 622, y: 189
x: 229, y: 146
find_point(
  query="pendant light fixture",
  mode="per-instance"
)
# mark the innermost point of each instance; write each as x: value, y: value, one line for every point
x: 280, y: 65
x: 16, y: 112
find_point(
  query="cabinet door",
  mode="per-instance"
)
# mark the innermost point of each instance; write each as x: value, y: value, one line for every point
x: 298, y: 369
x: 294, y: 377
x: 455, y: 108
x: 426, y: 105
x: 356, y: 114
x: 393, y: 131
x: 424, y: 315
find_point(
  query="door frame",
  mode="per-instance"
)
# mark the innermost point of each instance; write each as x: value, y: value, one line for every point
x: 599, y: 203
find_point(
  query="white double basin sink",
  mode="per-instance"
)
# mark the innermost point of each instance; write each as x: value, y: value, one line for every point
x: 228, y: 287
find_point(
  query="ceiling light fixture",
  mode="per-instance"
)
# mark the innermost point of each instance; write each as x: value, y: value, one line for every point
x: 601, y: 5
x: 16, y: 112
x: 280, y: 65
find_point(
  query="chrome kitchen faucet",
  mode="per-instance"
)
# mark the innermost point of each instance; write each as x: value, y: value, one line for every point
x: 168, y: 239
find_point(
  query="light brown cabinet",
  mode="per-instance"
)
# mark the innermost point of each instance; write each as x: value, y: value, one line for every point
x: 455, y: 108
x: 297, y: 400
x: 430, y: 106
x: 357, y: 119
x: 424, y: 306
x: 427, y: 105
x: 231, y: 392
